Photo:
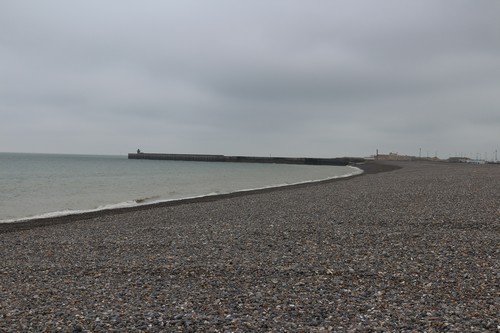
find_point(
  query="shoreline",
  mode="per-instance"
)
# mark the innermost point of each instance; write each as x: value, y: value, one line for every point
x: 369, y: 167
x: 415, y: 249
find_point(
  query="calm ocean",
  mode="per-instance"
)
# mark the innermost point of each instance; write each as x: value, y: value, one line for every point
x: 43, y: 185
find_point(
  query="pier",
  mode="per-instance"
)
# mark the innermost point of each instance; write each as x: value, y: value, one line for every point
x: 342, y: 161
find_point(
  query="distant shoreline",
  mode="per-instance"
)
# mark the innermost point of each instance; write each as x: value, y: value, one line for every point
x: 368, y: 167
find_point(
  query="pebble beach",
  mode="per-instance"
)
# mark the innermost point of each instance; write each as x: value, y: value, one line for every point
x: 405, y: 247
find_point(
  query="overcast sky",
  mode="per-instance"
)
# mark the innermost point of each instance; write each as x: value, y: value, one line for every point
x: 259, y: 77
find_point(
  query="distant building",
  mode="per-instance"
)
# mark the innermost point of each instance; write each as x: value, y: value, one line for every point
x: 458, y: 159
x: 477, y: 161
x: 395, y: 157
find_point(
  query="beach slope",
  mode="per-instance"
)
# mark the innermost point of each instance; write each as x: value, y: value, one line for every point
x: 414, y: 249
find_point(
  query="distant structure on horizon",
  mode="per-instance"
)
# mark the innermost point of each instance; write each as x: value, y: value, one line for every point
x: 397, y: 157
x: 459, y: 160
x: 339, y: 161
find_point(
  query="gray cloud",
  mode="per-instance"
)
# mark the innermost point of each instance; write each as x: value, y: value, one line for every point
x: 327, y: 78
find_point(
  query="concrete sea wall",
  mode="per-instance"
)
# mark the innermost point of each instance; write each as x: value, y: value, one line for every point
x: 244, y: 159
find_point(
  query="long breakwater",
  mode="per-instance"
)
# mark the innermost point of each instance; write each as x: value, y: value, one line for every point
x: 341, y: 161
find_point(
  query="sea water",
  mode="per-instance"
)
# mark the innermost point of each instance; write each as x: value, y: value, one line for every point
x: 44, y: 185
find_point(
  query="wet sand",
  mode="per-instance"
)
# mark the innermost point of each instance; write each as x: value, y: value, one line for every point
x: 414, y: 249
